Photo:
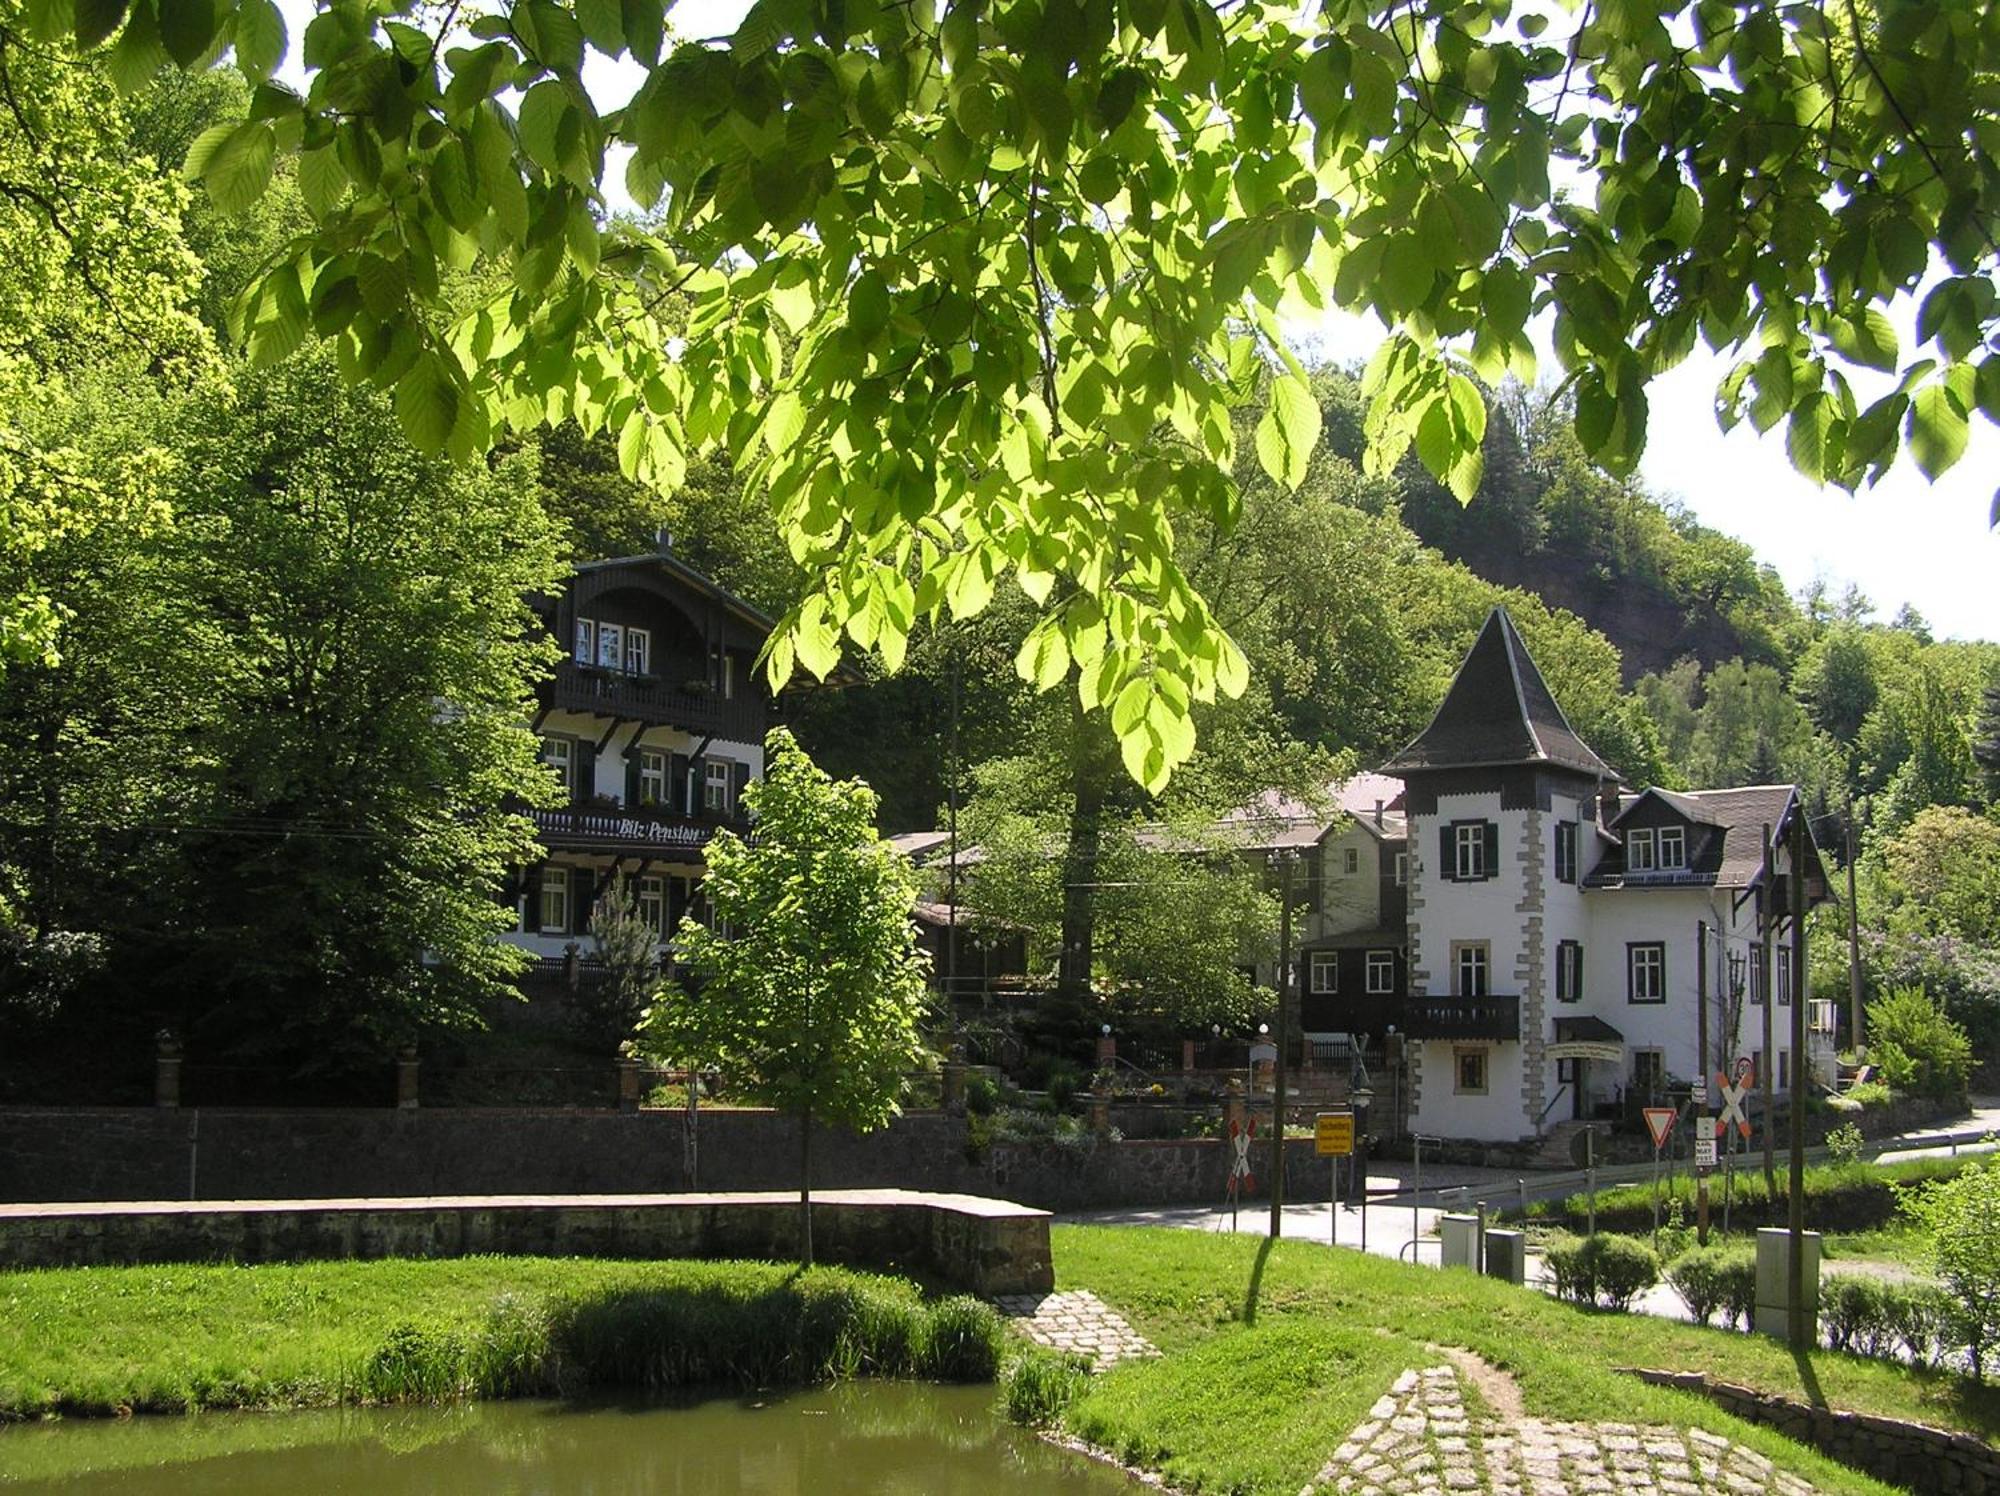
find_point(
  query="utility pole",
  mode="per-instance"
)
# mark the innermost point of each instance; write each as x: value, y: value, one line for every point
x: 1795, y: 1260
x: 951, y: 822
x: 1702, y: 1129
x: 1283, y: 1034
x: 1853, y: 938
x: 1767, y: 982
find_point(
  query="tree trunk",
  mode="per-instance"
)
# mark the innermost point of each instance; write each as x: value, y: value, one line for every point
x: 1080, y: 858
x: 805, y: 1187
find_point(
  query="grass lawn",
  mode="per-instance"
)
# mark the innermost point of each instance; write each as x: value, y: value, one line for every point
x: 171, y: 1339
x: 1258, y: 1408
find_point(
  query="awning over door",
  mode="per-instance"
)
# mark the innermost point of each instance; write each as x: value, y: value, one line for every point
x: 1586, y: 1038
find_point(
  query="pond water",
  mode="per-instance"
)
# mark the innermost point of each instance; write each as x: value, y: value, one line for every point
x: 896, y: 1438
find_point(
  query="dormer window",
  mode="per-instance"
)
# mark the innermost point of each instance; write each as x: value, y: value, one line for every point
x: 1639, y: 853
x: 613, y: 646
x: 1672, y: 845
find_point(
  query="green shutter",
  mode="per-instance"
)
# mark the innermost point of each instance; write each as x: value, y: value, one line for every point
x: 586, y: 771
x: 634, y: 756
x: 1447, y: 854
x: 677, y: 783
x: 532, y: 880
x: 1492, y: 849
x: 739, y: 780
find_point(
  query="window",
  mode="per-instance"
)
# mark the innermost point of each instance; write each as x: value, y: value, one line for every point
x: 1351, y: 861
x: 1756, y: 977
x: 1672, y: 844
x: 555, y: 899
x: 1646, y: 972
x: 560, y: 754
x: 1402, y: 869
x: 1639, y: 851
x: 1565, y: 851
x: 653, y: 904
x: 1784, y: 983
x: 1381, y: 972
x: 652, y: 777
x: 1784, y: 1070
x: 610, y: 645
x: 1469, y: 1072
x: 1323, y: 971
x: 1649, y: 1071
x: 1470, y: 850
x: 586, y: 641
x: 638, y: 648
x: 715, y: 784
x: 1469, y: 966
x: 1569, y: 971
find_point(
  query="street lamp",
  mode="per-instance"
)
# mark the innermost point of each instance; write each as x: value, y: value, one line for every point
x: 1361, y: 1097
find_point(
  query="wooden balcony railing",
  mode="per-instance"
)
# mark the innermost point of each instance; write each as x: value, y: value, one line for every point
x: 1462, y: 1017
x: 607, y: 693
x: 1334, y: 1013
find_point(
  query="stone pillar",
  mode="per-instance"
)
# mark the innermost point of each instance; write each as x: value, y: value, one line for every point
x: 406, y: 1078
x: 167, y: 1070
x: 572, y: 965
x: 952, y: 1087
x: 629, y: 1071
x: 1187, y: 1054
x: 1100, y: 1113
x: 1107, y: 1050
x: 1232, y: 1109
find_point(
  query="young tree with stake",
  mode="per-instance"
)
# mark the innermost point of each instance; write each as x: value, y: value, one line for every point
x: 809, y: 984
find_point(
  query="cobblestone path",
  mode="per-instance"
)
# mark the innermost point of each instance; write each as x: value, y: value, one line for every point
x: 1078, y: 1321
x: 1418, y: 1438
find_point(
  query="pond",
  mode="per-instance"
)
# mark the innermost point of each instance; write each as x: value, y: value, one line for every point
x: 874, y: 1437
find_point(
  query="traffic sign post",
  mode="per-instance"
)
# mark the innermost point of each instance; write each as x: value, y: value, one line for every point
x: 1333, y: 1140
x: 1660, y: 1123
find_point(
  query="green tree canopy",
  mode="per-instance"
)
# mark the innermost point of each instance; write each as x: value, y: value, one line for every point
x: 973, y: 289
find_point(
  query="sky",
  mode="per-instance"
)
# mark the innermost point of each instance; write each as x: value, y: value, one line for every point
x: 1905, y: 542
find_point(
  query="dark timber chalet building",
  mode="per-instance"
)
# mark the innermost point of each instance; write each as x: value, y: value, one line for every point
x: 655, y: 720
x: 1528, y: 927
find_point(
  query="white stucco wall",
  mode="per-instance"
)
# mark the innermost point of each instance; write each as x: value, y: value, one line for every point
x: 1442, y: 1111
x: 1348, y: 901
x: 1461, y: 912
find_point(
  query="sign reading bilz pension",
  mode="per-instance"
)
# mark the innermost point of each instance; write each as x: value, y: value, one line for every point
x: 1333, y: 1134
x: 610, y: 826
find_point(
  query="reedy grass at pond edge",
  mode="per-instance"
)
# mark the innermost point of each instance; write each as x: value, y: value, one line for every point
x: 170, y: 1339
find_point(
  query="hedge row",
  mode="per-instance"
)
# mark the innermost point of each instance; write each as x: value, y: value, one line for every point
x: 1850, y: 1197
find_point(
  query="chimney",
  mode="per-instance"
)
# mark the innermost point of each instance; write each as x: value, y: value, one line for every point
x: 663, y: 540
x: 1378, y: 815
x: 1607, y: 802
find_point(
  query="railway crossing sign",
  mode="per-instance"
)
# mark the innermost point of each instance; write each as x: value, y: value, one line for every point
x: 1240, y: 1177
x: 1733, y: 1097
x: 1660, y: 1122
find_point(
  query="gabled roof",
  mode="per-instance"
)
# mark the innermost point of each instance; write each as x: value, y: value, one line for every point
x: 1499, y: 713
x: 1688, y: 807
x: 687, y: 576
x: 1276, y: 820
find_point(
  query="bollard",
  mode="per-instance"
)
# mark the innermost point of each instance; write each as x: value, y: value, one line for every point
x: 167, y: 1070
x: 406, y: 1078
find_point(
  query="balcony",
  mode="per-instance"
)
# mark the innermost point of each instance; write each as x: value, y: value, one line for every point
x: 1333, y: 1013
x: 641, y: 698
x: 585, y: 828
x: 1462, y: 1017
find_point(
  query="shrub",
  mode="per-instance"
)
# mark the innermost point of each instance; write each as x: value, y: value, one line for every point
x: 1064, y: 1081
x: 1869, y: 1093
x: 1963, y: 1218
x: 1704, y: 1278
x: 1918, y: 1318
x: 1843, y: 1146
x: 1041, y: 1384
x: 1739, y: 1287
x: 1612, y: 1270
x: 1622, y: 1267
x: 982, y: 1095
x: 414, y: 1365
x: 1852, y: 1314
x: 962, y: 1341
x: 1920, y: 1049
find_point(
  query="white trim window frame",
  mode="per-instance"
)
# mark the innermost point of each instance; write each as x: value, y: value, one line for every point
x: 715, y: 785
x: 1566, y: 841
x: 638, y: 650
x: 652, y: 902
x: 560, y: 754
x: 1471, y: 969
x: 652, y: 776
x: 1646, y: 971
x: 584, y: 650
x: 1469, y: 1072
x: 1322, y: 972
x: 1468, y: 845
x: 555, y: 900
x: 611, y: 646
x: 1402, y: 869
x: 1671, y: 842
x: 1783, y: 985
x: 1381, y: 973
x: 1639, y: 854
x: 1569, y: 971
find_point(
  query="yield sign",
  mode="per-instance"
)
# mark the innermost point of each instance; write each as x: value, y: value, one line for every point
x: 1732, y: 1101
x: 1659, y: 1122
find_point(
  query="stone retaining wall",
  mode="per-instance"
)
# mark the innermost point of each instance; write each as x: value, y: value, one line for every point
x: 145, y: 1153
x: 983, y: 1246
x: 1887, y: 1448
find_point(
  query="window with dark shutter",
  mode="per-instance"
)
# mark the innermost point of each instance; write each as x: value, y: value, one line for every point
x: 632, y: 776
x: 677, y: 783
x: 740, y: 781
x: 586, y: 771
x: 531, y: 901
x: 1492, y: 867
x: 1448, y: 852
x: 1565, y: 851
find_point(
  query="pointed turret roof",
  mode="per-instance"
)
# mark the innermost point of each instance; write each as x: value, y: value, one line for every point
x: 1499, y: 713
